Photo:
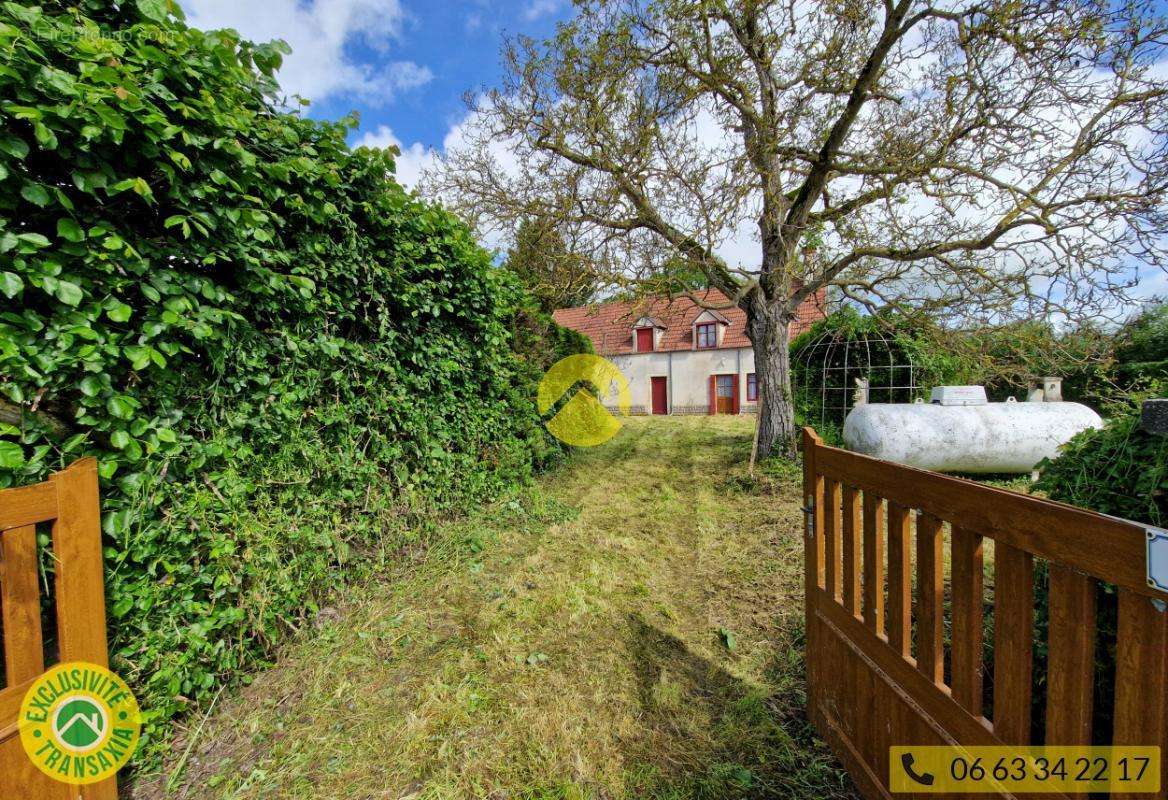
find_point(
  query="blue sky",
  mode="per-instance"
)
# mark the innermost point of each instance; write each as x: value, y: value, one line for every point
x: 458, y: 42
x: 404, y: 65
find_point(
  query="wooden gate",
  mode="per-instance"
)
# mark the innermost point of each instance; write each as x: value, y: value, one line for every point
x: 877, y: 650
x: 68, y: 501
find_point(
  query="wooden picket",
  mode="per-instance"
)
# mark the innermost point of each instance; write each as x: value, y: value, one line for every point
x: 873, y: 684
x: 69, y: 502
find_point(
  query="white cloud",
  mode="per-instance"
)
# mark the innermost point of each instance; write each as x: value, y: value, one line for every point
x: 1153, y: 284
x: 540, y: 8
x: 318, y: 32
x: 412, y: 161
x: 474, y: 22
x: 741, y: 247
x: 406, y: 75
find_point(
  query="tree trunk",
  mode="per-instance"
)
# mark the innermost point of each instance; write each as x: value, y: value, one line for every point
x: 767, y: 325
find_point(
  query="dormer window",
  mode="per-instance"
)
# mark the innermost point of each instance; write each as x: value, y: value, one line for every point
x: 647, y: 334
x: 708, y: 329
x: 707, y: 335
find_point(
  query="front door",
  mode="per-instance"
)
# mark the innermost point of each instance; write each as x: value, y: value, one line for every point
x: 724, y: 392
x: 660, y: 396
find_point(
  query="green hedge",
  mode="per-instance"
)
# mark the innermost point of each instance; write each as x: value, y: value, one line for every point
x: 1120, y: 470
x: 284, y: 362
x: 1141, y: 349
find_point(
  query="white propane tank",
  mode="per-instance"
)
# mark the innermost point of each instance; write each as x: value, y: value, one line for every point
x: 957, y: 433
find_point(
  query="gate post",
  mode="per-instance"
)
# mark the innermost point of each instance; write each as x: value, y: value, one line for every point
x: 812, y: 556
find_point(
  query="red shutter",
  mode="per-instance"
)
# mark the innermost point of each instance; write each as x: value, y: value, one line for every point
x: 713, y: 395
x: 644, y: 340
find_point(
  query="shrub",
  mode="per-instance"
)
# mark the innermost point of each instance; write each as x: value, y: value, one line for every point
x: 1006, y: 359
x: 1141, y: 349
x: 1120, y: 470
x: 283, y: 362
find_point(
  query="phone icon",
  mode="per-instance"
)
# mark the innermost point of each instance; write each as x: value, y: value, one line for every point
x: 906, y: 761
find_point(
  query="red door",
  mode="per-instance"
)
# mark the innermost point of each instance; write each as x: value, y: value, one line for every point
x: 726, y: 394
x: 660, y: 396
x: 644, y: 340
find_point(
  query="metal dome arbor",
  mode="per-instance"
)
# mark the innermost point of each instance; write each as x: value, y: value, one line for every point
x: 842, y: 366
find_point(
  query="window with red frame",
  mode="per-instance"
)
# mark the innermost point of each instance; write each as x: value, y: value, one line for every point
x: 644, y: 340
x: 751, y: 386
x: 707, y: 335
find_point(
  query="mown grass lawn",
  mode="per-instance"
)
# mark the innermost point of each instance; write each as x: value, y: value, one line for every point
x: 630, y: 626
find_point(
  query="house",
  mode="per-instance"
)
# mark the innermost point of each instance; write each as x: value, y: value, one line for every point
x: 680, y: 356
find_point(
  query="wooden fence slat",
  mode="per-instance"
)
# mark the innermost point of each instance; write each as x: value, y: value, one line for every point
x: 813, y: 499
x: 1071, y: 660
x: 831, y: 535
x: 79, y: 584
x: 1013, y: 643
x: 899, y: 612
x: 968, y: 612
x: 931, y: 599
x: 1141, y: 679
x: 813, y: 508
x: 28, y: 505
x: 874, y: 562
x: 852, y: 533
x: 20, y: 605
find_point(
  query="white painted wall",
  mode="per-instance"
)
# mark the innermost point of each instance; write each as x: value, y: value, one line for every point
x: 688, y: 386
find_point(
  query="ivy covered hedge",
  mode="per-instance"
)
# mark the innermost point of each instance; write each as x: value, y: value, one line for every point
x: 284, y: 363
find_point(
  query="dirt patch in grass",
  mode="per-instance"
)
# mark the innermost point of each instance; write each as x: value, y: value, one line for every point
x: 628, y: 627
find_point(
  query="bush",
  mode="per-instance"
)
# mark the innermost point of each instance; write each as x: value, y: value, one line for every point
x: 283, y: 362
x: 1120, y: 470
x: 1141, y: 349
x: 1099, y: 366
x: 1007, y: 359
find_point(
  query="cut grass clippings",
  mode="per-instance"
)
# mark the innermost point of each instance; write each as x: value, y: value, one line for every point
x: 630, y: 626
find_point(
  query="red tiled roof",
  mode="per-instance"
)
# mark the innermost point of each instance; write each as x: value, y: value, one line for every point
x: 610, y: 325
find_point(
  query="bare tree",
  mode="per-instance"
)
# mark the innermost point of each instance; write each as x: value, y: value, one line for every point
x: 994, y: 159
